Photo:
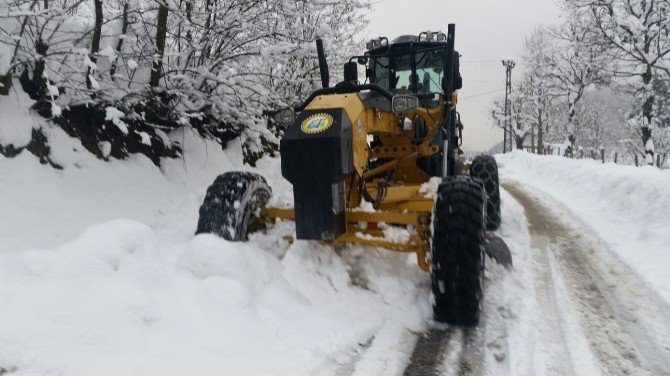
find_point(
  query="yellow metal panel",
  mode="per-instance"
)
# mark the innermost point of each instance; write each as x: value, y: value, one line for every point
x: 281, y: 213
x: 415, y: 243
x: 355, y: 110
x: 424, y: 205
x: 381, y: 122
x: 386, y: 217
x: 391, y: 217
x: 396, y: 193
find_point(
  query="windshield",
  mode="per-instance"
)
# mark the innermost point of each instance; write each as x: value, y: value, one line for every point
x: 395, y: 72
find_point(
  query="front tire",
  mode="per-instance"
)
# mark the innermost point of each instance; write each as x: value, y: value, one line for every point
x: 231, y: 205
x: 457, y: 255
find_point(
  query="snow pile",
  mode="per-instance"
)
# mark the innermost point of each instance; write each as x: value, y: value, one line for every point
x: 16, y: 124
x: 628, y: 206
x: 100, y: 274
x: 43, y: 207
x: 125, y: 299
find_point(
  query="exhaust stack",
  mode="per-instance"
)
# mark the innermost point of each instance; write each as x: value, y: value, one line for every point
x: 323, y: 64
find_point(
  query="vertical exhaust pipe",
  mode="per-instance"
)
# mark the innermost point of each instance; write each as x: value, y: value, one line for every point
x: 448, y: 151
x: 323, y: 64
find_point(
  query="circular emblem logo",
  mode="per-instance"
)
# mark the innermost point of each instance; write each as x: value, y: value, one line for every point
x: 317, y: 123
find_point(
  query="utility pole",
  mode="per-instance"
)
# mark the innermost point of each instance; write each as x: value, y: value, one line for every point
x: 509, y: 65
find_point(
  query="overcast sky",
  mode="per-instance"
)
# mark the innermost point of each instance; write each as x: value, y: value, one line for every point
x: 486, y: 32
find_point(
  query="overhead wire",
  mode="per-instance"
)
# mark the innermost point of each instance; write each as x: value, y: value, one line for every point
x: 481, y: 94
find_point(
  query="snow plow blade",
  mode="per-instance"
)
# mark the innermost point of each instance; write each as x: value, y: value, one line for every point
x: 499, y: 251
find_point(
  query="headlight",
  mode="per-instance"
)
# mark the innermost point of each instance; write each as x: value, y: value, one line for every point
x: 404, y: 103
x: 285, y: 117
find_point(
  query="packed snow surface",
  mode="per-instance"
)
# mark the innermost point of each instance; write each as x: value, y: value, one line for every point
x: 628, y: 206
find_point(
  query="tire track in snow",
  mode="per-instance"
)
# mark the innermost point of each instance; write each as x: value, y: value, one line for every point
x: 620, y: 345
x: 451, y: 350
x: 430, y: 349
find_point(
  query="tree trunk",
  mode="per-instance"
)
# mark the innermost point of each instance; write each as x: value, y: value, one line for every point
x: 161, y: 31
x: 647, y: 118
x: 519, y: 141
x: 95, y: 43
x: 540, y: 138
x: 119, y: 44
x: 532, y: 139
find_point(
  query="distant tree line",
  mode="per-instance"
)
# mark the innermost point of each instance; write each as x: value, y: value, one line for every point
x: 599, y: 80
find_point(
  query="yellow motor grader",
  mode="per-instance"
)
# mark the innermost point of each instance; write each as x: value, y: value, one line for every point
x: 360, y: 158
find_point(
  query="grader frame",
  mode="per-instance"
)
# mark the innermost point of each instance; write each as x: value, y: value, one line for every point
x: 401, y: 203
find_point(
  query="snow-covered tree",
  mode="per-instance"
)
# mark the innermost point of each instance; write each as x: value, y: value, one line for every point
x: 576, y: 65
x: 539, y: 80
x: 291, y: 68
x: 521, y: 113
x: 215, y: 65
x: 638, y: 31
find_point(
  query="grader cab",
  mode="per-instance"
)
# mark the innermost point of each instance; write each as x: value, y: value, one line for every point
x: 362, y: 159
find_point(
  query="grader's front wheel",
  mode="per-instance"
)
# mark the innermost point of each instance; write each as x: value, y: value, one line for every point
x: 457, y: 255
x: 231, y: 205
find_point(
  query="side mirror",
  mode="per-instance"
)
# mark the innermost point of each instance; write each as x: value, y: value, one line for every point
x: 458, y: 82
x: 351, y: 72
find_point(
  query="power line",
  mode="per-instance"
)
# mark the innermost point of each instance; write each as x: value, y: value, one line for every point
x: 481, y: 94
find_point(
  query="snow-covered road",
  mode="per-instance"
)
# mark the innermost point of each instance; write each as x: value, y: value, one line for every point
x: 571, y: 307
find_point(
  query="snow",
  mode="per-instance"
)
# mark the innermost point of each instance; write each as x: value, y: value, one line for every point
x: 132, y: 64
x: 113, y: 114
x: 120, y: 295
x: 108, y: 52
x: 324, y: 30
x: 94, y: 83
x: 628, y: 206
x: 90, y: 64
x: 429, y: 189
x: 105, y: 148
x: 145, y: 138
x: 17, y: 125
x: 101, y: 274
x: 395, y: 234
x: 55, y: 110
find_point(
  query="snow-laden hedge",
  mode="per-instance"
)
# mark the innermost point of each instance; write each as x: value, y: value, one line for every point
x: 218, y: 67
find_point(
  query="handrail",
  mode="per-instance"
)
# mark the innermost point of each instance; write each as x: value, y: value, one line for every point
x: 345, y: 89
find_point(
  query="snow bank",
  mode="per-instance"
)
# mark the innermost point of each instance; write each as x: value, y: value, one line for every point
x: 16, y: 123
x: 122, y: 299
x: 100, y: 274
x: 43, y: 207
x: 628, y: 206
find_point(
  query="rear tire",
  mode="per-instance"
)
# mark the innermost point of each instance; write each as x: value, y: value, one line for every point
x: 485, y: 168
x: 457, y: 255
x: 231, y: 205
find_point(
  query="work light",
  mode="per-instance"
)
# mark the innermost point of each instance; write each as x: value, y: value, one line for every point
x: 404, y: 103
x: 285, y: 117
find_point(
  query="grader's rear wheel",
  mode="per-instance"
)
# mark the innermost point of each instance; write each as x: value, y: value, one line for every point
x: 231, y: 205
x: 485, y: 168
x: 457, y: 256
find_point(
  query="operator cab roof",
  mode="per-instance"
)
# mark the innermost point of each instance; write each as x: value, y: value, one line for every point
x: 427, y: 38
